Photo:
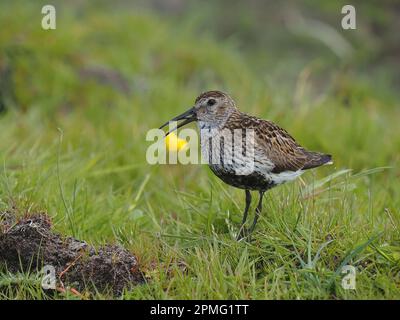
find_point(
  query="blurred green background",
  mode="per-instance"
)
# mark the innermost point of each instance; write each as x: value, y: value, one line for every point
x: 76, y: 104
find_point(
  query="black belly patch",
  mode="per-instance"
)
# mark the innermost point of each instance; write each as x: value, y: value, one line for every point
x: 253, y: 181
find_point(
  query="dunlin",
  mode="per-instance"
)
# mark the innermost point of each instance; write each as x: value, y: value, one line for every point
x: 269, y: 155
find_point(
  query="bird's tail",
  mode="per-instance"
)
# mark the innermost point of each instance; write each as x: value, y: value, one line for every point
x: 317, y: 159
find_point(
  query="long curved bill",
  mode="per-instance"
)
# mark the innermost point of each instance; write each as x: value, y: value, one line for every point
x: 188, y: 116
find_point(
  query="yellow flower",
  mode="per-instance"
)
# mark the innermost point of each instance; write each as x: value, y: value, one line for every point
x: 174, y: 143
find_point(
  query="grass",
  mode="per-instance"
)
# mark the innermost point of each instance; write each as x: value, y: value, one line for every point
x: 73, y: 144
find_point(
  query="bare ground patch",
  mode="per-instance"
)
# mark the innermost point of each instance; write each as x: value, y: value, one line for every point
x: 28, y: 243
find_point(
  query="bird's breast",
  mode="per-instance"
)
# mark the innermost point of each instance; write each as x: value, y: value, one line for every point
x: 227, y: 152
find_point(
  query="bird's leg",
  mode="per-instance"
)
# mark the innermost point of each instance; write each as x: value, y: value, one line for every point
x: 246, y: 211
x: 258, y: 212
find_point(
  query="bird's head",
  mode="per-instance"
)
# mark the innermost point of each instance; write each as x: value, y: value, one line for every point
x: 211, y: 107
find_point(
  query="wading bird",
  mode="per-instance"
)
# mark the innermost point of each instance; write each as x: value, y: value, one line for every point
x: 275, y: 156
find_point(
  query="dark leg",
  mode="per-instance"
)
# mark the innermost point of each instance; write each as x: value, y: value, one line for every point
x: 246, y: 211
x: 258, y: 212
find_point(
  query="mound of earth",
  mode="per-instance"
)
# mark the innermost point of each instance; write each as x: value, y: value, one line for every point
x: 28, y: 244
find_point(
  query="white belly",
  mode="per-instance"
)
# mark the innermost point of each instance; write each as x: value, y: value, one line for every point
x: 285, y: 176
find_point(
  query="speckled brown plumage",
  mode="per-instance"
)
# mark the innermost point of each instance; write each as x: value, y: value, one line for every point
x: 279, y: 146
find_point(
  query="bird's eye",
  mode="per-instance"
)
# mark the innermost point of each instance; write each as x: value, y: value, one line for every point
x: 211, y: 102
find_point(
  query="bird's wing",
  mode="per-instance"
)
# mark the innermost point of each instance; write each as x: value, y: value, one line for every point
x: 280, y: 147
x: 273, y: 142
x: 276, y: 144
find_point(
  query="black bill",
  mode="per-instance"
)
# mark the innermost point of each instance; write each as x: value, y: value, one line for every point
x: 188, y: 116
